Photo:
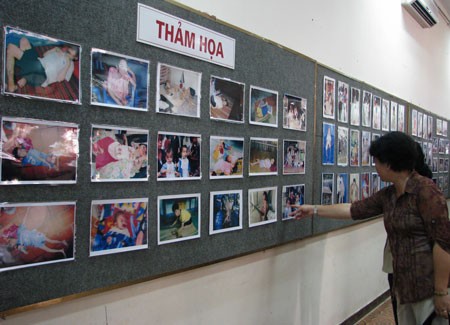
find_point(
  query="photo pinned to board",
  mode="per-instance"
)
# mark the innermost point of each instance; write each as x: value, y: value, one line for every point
x: 291, y: 195
x: 263, y: 107
x: 294, y: 153
x: 119, y: 81
x: 38, y: 152
x: 263, y: 156
x: 226, y: 100
x: 262, y: 206
x: 118, y: 226
x: 178, y: 218
x: 294, y: 113
x: 41, y: 67
x: 34, y: 234
x: 118, y: 154
x: 178, y: 91
x: 226, y: 157
x: 225, y: 211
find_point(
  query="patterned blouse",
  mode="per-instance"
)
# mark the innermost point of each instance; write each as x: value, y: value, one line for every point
x: 414, y: 222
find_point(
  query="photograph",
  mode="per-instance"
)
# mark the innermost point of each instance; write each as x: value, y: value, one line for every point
x: 328, y: 131
x: 414, y: 125
x: 385, y: 115
x: 376, y: 113
x: 226, y: 100
x: 178, y: 218
x: 225, y: 211
x: 401, y: 118
x: 444, y: 128
x: 343, y: 93
x: 365, y: 145
x: 118, y: 154
x: 263, y: 107
x: 327, y: 192
x: 34, y: 234
x: 342, y: 188
x: 394, y: 111
x: 366, y: 111
x: 355, y: 106
x: 294, y: 152
x: 118, y: 226
x: 263, y: 156
x: 119, y: 81
x: 375, y: 136
x: 226, y: 157
x: 354, y: 148
x: 262, y: 206
x: 342, y: 146
x: 41, y: 67
x: 294, y: 112
x: 438, y: 126
x: 178, y: 156
x: 420, y: 124
x: 376, y: 183
x: 430, y: 127
x: 292, y: 195
x: 365, y: 185
x: 329, y: 94
x: 354, y: 188
x: 178, y: 91
x: 425, y: 126
x: 38, y: 152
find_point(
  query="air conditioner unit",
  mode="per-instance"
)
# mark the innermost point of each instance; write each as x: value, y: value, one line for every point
x: 420, y: 11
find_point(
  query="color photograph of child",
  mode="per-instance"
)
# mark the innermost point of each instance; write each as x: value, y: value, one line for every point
x: 225, y: 211
x: 292, y: 195
x: 294, y: 157
x: 34, y: 234
x: 263, y: 156
x: 38, y: 152
x: 294, y: 113
x: 262, y: 206
x: 226, y: 157
x: 118, y: 226
x: 178, y: 218
x: 41, y: 67
x: 263, y: 107
x: 119, y: 81
x: 178, y: 156
x: 329, y: 94
x: 118, y: 154
x: 226, y: 100
x: 178, y: 91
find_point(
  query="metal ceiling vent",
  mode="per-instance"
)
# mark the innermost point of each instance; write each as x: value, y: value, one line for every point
x: 419, y: 10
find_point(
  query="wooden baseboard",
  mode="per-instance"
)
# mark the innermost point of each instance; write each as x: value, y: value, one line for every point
x: 366, y: 309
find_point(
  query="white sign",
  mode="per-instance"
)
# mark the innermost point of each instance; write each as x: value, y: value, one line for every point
x: 171, y: 33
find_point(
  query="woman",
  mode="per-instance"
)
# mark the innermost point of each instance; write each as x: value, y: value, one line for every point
x: 417, y: 225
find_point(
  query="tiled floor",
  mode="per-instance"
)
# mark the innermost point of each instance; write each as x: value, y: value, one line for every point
x: 382, y: 315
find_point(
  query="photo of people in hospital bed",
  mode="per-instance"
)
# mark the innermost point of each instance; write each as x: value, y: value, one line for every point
x: 37, y: 66
x: 262, y: 206
x: 226, y: 157
x: 263, y: 157
x: 118, y: 154
x: 178, y: 91
x: 178, y: 218
x: 263, y: 107
x: 118, y: 226
x: 226, y: 100
x: 34, y: 234
x: 119, y: 81
x: 38, y: 152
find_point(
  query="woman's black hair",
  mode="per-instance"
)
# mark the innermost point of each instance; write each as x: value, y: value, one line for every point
x: 396, y: 149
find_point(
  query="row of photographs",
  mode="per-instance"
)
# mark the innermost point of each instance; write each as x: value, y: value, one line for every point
x: 41, y: 233
x: 351, y: 146
x: 40, y: 67
x: 376, y: 112
x: 349, y: 188
x: 46, y: 152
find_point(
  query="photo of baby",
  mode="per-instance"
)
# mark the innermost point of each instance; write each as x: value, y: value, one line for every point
x: 263, y: 156
x: 118, y: 154
x: 226, y: 157
x: 118, y: 226
x: 41, y: 67
x: 178, y: 218
x: 38, y: 152
x: 34, y: 234
x: 263, y: 107
x: 226, y: 100
x: 119, y: 81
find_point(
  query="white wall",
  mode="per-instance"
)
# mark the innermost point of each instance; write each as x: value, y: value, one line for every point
x: 320, y: 280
